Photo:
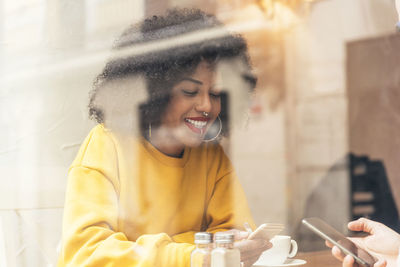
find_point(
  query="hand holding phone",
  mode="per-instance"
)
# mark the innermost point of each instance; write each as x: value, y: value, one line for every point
x: 333, y: 236
x: 266, y: 231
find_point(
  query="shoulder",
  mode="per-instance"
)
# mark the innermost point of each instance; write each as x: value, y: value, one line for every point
x: 216, y: 151
x: 215, y: 157
x: 209, y: 150
x: 98, y: 146
x: 99, y: 153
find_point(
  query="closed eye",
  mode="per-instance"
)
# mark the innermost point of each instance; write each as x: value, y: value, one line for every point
x: 215, y: 95
x: 189, y: 93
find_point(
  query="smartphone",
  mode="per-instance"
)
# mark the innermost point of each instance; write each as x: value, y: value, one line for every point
x: 266, y: 231
x: 330, y: 234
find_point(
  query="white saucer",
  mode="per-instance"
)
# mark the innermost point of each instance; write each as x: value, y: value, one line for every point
x: 288, y: 262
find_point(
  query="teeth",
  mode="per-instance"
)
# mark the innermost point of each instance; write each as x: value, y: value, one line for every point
x: 197, y: 124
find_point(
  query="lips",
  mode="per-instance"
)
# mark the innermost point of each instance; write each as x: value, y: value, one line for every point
x: 197, y: 124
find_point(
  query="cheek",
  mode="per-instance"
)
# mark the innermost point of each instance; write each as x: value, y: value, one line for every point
x: 169, y: 114
x: 176, y: 110
x: 217, y: 107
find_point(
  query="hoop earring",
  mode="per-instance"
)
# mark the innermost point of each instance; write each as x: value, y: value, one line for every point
x: 219, y: 132
x: 149, y: 130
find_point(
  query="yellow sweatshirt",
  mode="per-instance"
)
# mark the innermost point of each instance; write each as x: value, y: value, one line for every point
x: 127, y: 204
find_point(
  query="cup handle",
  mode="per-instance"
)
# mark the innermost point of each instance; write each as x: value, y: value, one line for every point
x: 293, y: 250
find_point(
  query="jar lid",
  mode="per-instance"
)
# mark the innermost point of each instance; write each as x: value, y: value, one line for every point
x: 222, y: 237
x: 203, y: 238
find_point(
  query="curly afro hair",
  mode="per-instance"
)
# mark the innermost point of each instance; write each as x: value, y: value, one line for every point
x: 163, y: 66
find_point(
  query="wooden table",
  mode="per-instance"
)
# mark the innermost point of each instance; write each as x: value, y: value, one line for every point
x: 322, y: 258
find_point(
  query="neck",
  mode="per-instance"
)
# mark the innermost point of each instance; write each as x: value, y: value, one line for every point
x: 165, y: 145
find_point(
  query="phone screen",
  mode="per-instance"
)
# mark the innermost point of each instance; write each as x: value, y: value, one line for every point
x: 330, y: 234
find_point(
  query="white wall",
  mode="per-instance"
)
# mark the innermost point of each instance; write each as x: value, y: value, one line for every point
x: 316, y: 104
x: 51, y: 52
x: 260, y: 162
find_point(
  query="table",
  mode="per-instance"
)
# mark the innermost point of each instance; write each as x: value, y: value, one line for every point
x: 322, y: 258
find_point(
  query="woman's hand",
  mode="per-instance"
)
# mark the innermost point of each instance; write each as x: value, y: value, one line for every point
x: 382, y: 242
x: 250, y: 250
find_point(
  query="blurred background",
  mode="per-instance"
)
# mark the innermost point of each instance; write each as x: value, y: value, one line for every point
x: 321, y: 137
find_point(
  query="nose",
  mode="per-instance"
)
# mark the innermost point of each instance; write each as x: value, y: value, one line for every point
x: 204, y: 103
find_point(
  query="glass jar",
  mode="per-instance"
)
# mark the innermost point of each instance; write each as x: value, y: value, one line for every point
x: 201, y: 255
x: 224, y: 254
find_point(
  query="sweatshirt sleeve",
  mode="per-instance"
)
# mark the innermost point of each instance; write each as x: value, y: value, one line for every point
x: 227, y: 206
x: 90, y: 227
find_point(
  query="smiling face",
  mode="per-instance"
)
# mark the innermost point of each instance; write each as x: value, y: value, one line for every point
x: 194, y: 105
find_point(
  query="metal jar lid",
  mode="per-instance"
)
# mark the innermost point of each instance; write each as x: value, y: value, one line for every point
x: 203, y: 238
x: 222, y: 237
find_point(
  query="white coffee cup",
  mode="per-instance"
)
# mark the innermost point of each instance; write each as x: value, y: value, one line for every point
x: 283, y: 247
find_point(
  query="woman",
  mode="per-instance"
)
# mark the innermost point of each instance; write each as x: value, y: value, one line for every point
x: 135, y: 197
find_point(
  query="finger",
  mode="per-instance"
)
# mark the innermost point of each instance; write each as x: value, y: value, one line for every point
x: 337, y: 253
x: 348, y: 261
x: 328, y: 244
x: 253, y: 245
x: 363, y: 225
x: 355, y: 225
x: 380, y: 263
x: 239, y: 235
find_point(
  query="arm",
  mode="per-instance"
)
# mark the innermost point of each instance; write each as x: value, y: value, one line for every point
x: 227, y: 205
x: 91, y: 235
x: 228, y: 209
x: 218, y: 192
